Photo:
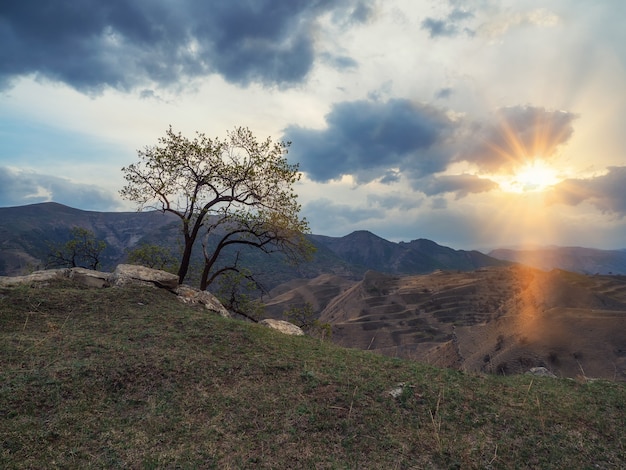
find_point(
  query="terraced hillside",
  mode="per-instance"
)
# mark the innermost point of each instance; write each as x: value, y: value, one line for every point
x: 408, y: 316
x: 502, y: 320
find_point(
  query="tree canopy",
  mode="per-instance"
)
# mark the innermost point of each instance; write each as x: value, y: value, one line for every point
x: 237, y: 189
x: 81, y: 250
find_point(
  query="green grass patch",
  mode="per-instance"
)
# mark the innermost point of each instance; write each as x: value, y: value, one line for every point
x: 132, y: 378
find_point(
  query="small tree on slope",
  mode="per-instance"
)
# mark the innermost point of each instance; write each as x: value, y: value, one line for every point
x: 237, y: 188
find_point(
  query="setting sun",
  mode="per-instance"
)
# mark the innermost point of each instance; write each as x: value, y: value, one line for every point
x: 534, y: 176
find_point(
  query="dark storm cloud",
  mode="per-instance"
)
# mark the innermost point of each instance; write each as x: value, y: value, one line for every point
x: 374, y: 140
x: 90, y: 44
x: 461, y: 185
x: 18, y: 188
x: 606, y: 192
x: 516, y: 135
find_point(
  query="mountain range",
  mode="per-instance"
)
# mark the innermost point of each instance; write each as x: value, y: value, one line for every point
x: 572, y: 258
x: 417, y: 299
x: 26, y: 233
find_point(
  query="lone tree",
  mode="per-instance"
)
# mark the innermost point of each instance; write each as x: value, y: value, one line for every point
x: 153, y: 256
x: 237, y: 189
x: 81, y: 250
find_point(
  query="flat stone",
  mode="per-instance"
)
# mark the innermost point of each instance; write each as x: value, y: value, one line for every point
x: 130, y: 273
x: 283, y: 326
x: 190, y: 295
x: 89, y: 277
x: 35, y: 277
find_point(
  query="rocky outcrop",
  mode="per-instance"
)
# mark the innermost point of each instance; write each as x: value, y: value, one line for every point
x: 129, y: 275
x: 34, y: 278
x: 283, y: 326
x: 133, y: 274
x: 88, y: 277
x: 123, y: 275
x: 189, y: 295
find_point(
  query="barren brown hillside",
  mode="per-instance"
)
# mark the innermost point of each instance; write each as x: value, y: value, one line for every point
x: 502, y: 320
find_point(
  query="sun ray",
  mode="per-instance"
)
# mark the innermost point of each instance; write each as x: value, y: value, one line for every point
x: 534, y: 176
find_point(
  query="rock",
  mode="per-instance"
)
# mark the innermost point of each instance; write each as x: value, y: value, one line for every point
x: 397, y: 391
x: 190, y: 295
x: 89, y: 278
x: 129, y: 274
x: 541, y: 372
x: 36, y: 277
x: 283, y: 326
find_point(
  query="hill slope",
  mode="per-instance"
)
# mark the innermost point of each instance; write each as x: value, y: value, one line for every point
x: 131, y: 378
x: 501, y: 320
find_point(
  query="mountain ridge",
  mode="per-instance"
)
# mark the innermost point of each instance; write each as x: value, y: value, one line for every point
x: 26, y: 231
x: 570, y: 258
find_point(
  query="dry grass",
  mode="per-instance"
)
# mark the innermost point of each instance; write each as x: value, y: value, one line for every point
x: 131, y: 378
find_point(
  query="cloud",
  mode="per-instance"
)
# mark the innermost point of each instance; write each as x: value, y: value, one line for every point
x: 514, y: 136
x: 461, y: 185
x: 400, y: 201
x: 371, y: 140
x: 499, y: 25
x: 339, y: 62
x: 606, y: 192
x: 328, y: 216
x: 90, y: 44
x: 448, y: 26
x: 19, y: 187
x: 444, y: 93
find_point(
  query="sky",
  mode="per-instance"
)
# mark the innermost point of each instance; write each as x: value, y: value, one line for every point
x: 477, y: 124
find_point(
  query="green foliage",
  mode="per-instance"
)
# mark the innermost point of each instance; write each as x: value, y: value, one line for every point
x: 305, y: 318
x: 235, y: 289
x: 81, y: 250
x: 238, y: 189
x: 153, y: 256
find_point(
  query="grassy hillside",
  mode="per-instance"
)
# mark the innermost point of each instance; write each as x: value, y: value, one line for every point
x: 131, y: 378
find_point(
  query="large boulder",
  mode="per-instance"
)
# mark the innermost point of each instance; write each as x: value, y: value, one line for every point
x: 190, y: 295
x: 33, y: 278
x: 89, y: 278
x: 282, y: 326
x: 133, y: 274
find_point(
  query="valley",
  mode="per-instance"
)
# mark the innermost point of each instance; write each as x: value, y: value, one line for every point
x: 446, y: 307
x: 502, y: 320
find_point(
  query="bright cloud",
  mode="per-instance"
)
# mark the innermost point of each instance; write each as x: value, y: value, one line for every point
x: 408, y: 118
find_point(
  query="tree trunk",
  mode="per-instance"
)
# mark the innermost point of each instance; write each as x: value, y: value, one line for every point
x: 205, y: 276
x: 185, y: 260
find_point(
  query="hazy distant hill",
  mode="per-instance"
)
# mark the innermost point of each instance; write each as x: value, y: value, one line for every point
x: 363, y: 248
x: 577, y: 259
x: 26, y: 232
